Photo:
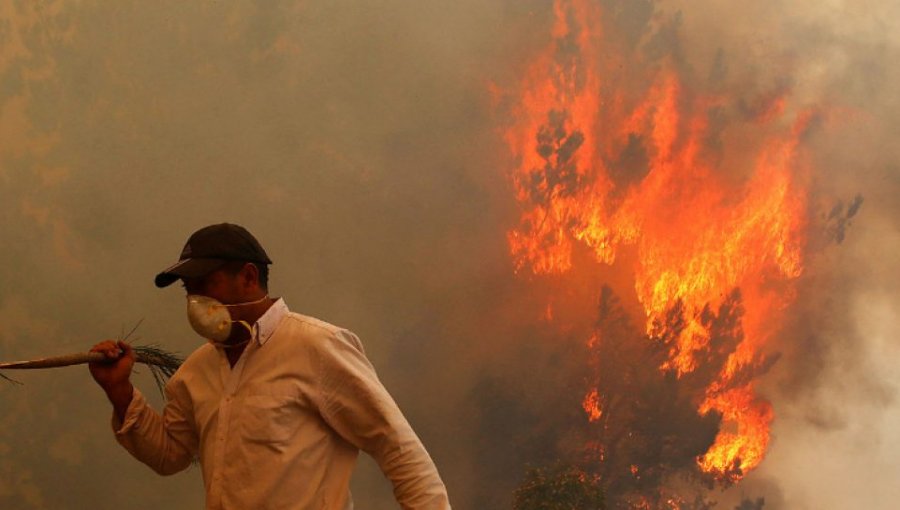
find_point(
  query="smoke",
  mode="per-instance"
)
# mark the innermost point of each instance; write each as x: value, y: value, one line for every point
x: 831, y: 388
x: 359, y: 142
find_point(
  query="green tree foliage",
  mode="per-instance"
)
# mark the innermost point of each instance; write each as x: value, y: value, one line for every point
x: 559, y: 487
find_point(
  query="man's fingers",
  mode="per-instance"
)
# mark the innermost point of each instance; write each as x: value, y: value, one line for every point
x: 125, y: 348
x: 109, y: 349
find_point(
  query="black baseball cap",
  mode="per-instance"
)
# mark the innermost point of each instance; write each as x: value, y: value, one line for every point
x: 209, y: 249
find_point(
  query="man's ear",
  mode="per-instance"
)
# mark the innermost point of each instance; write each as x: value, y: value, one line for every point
x: 249, y: 276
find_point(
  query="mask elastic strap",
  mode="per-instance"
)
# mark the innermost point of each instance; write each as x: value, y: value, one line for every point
x: 242, y: 323
x: 260, y: 300
x: 245, y: 323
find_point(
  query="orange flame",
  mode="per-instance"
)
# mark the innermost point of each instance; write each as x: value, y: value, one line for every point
x: 700, y: 224
x: 591, y: 405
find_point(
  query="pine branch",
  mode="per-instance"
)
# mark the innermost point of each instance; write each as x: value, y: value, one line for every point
x: 162, y: 364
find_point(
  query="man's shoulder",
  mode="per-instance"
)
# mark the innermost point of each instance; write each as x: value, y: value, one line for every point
x: 203, y: 355
x: 310, y: 324
x: 318, y: 333
x: 202, y: 360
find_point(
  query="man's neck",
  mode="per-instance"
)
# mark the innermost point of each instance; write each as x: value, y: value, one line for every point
x: 234, y: 354
x: 240, y: 336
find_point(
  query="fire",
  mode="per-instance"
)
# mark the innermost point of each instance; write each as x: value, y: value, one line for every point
x: 747, y: 446
x: 605, y: 165
x: 591, y: 405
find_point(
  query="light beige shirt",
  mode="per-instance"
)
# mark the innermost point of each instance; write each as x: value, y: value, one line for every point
x: 283, y: 427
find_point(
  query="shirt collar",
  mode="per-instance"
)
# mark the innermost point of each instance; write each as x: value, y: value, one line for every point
x: 265, y: 326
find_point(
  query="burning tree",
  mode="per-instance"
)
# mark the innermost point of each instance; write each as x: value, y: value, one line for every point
x: 646, y: 430
x: 617, y: 156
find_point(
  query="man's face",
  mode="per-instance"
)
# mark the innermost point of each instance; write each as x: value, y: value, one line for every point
x: 221, y: 285
x: 229, y: 286
x: 226, y: 287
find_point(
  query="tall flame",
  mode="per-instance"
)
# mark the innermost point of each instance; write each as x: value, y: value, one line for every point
x: 604, y: 164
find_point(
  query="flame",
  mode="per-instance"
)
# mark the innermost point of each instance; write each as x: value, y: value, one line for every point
x: 591, y: 405
x: 744, y: 449
x: 699, y: 223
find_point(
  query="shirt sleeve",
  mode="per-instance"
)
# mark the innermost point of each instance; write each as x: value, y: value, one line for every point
x: 167, y: 443
x: 358, y: 407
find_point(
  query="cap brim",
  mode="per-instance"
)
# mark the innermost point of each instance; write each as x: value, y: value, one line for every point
x: 187, y: 268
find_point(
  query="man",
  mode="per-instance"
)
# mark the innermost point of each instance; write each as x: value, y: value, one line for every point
x: 276, y: 405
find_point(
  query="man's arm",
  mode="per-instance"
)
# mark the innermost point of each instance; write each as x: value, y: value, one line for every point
x: 356, y: 405
x: 114, y: 374
x: 165, y: 443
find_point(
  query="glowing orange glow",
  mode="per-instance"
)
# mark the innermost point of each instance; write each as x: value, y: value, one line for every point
x: 744, y: 448
x: 697, y: 227
x: 591, y: 405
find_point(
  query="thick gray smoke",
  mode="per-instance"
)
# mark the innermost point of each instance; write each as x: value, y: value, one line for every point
x: 358, y: 142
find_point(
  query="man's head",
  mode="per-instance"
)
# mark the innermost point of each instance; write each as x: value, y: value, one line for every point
x: 223, y: 248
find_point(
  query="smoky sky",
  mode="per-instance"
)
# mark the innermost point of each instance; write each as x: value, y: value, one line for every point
x: 359, y: 142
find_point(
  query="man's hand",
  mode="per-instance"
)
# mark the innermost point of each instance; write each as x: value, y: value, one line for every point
x: 113, y: 374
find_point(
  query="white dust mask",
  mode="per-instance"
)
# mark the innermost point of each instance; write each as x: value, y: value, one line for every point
x: 210, y: 318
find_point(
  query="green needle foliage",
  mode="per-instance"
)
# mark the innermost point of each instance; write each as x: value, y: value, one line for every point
x: 559, y: 487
